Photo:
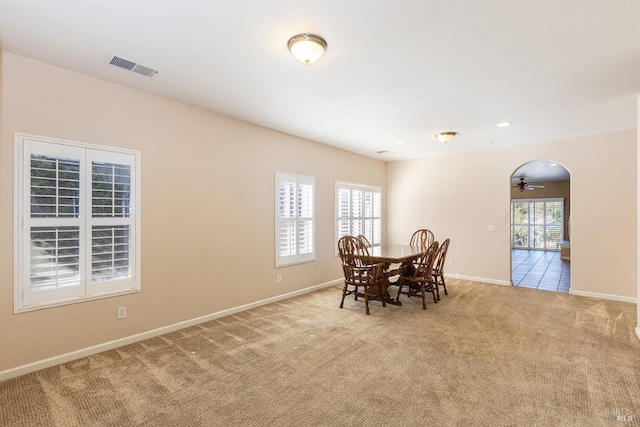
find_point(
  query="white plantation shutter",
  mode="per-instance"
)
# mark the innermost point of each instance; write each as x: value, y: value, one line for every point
x: 49, y: 257
x: 76, y: 208
x: 295, y: 219
x: 112, y: 221
x: 343, y: 216
x: 358, y: 211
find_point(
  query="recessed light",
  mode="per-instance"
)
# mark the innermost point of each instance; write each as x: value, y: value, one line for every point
x: 400, y: 143
x: 504, y: 124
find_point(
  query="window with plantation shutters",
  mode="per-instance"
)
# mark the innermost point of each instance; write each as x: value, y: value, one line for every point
x: 359, y: 211
x: 77, y: 222
x: 295, y: 219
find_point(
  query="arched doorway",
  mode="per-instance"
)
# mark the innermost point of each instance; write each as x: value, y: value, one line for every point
x: 540, y: 226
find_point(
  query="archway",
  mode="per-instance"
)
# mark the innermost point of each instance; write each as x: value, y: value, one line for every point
x: 540, y: 241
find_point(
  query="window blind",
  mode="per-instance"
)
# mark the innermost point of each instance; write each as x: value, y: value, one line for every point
x: 77, y: 210
x: 295, y: 219
x: 358, y: 211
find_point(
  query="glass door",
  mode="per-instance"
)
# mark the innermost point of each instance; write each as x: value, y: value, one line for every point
x: 537, y: 223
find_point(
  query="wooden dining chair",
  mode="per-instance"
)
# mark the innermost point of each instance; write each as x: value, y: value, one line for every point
x: 438, y: 268
x: 364, y: 240
x: 359, y: 271
x: 421, y: 280
x: 422, y: 238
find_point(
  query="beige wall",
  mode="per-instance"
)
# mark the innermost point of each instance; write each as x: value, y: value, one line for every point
x: 207, y: 206
x: 459, y: 196
x: 551, y: 190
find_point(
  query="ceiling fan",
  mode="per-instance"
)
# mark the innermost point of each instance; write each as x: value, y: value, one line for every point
x: 526, y: 186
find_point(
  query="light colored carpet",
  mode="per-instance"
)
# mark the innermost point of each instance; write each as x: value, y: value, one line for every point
x: 485, y: 355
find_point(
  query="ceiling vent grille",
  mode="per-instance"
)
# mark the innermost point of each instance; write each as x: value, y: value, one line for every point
x: 129, y: 65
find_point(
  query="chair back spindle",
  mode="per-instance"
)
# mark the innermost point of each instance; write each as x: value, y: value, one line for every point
x: 422, y: 238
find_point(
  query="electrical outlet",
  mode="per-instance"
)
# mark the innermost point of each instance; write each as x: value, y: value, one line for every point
x: 279, y: 278
x: 122, y: 312
x: 450, y: 261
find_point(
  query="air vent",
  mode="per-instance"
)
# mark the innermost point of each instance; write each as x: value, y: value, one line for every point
x: 129, y: 65
x: 383, y: 152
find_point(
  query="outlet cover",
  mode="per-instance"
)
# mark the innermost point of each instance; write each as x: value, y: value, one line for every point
x: 122, y: 312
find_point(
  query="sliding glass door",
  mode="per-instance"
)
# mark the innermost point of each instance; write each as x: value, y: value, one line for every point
x: 537, y: 223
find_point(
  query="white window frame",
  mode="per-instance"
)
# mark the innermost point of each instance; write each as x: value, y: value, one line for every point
x: 296, y: 223
x: 85, y: 286
x: 531, y: 225
x: 375, y: 238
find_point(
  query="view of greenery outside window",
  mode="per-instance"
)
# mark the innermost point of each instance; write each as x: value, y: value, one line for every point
x: 537, y: 223
x: 359, y: 211
x: 78, y: 215
x: 295, y: 219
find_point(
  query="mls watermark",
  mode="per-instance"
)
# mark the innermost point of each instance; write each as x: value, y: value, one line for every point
x: 620, y: 415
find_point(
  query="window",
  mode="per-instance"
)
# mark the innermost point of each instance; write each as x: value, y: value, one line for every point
x: 359, y: 211
x: 77, y: 222
x: 537, y: 223
x: 295, y: 219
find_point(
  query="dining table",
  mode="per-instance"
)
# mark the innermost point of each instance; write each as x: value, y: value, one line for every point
x: 397, y: 260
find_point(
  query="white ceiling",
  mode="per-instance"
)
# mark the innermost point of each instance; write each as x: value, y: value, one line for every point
x: 539, y: 171
x: 394, y: 71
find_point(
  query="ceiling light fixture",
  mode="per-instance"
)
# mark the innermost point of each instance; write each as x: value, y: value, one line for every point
x: 445, y: 136
x: 307, y: 48
x: 504, y: 124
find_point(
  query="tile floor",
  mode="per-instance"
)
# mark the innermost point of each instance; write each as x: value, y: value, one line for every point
x: 540, y: 270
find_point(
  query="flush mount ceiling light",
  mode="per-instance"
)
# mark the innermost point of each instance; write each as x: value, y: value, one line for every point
x: 307, y: 48
x: 445, y: 136
x: 504, y: 124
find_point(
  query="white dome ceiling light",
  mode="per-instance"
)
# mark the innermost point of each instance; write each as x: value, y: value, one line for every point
x: 307, y: 48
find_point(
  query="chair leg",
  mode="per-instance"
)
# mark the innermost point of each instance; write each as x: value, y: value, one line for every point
x: 424, y: 303
x: 366, y: 301
x: 384, y: 304
x: 344, y: 294
x: 444, y: 285
x: 432, y: 287
x: 400, y: 284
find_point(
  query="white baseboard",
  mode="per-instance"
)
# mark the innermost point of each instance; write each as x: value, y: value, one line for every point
x: 603, y: 296
x: 638, y: 332
x: 571, y: 291
x: 479, y: 279
x: 78, y: 354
